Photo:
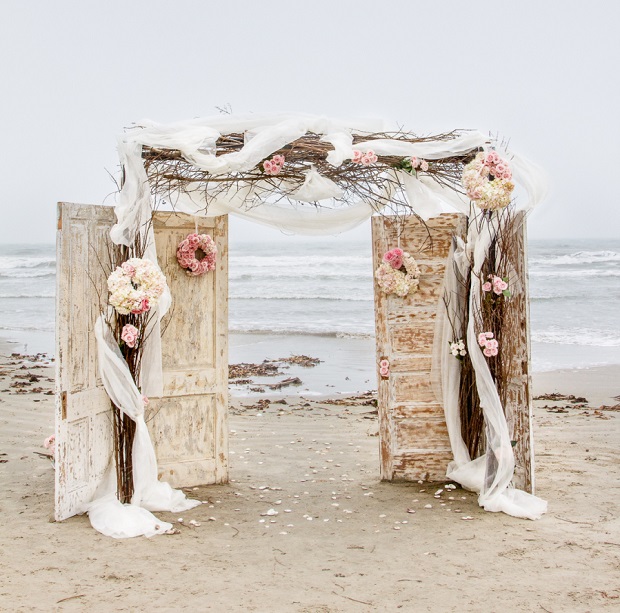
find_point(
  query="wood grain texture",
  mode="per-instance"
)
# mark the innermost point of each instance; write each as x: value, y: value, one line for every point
x: 83, y: 410
x: 518, y: 405
x: 189, y: 424
x: 414, y: 443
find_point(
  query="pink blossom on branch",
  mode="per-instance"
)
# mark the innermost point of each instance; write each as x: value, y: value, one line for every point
x: 129, y: 335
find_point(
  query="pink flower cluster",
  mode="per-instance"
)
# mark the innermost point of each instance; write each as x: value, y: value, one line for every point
x: 496, y: 284
x: 130, y: 335
x: 485, y: 181
x: 136, y: 286
x: 366, y: 159
x: 50, y: 443
x: 418, y: 163
x: 394, y: 258
x: 186, y: 254
x: 489, y: 344
x: 497, y: 166
x: 384, y: 368
x: 274, y: 165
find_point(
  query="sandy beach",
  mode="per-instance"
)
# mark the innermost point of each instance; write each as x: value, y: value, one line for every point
x: 305, y: 524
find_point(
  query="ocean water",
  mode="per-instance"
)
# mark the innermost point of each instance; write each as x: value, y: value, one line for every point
x: 322, y: 289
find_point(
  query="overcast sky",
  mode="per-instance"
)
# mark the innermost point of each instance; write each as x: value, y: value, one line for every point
x: 542, y: 73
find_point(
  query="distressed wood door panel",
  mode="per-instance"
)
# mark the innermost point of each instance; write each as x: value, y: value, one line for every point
x: 518, y: 405
x: 189, y: 424
x: 83, y: 411
x: 413, y: 438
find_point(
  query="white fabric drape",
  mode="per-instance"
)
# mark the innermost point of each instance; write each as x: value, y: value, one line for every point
x: 106, y: 513
x: 490, y: 474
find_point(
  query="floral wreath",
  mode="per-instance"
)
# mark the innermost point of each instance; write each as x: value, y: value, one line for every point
x: 136, y: 286
x: 398, y: 273
x: 487, y: 181
x: 186, y: 254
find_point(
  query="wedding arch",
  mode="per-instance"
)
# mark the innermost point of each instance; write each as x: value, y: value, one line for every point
x: 450, y: 301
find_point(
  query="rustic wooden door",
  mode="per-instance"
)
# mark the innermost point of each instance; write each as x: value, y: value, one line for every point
x: 413, y: 436
x: 83, y: 414
x: 189, y: 424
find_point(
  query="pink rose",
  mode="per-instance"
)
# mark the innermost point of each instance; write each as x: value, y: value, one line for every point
x: 193, y: 240
x: 384, y: 364
x: 424, y: 165
x: 414, y: 161
x: 491, y: 343
x: 492, y: 158
x: 366, y: 161
x: 268, y: 166
x: 482, y: 339
x: 384, y: 372
x: 130, y: 335
x: 500, y: 169
x: 357, y: 156
x: 488, y: 352
x: 49, y: 441
x: 128, y: 269
x: 486, y: 287
x: 142, y: 307
x: 278, y: 159
x: 496, y: 290
x: 489, y: 334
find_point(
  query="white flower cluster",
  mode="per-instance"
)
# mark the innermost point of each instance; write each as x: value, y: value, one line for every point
x: 136, y: 286
x: 457, y: 349
x: 489, y: 194
x: 398, y: 281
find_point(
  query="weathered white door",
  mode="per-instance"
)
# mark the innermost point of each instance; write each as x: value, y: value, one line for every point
x: 188, y: 424
x: 413, y: 436
x: 83, y: 410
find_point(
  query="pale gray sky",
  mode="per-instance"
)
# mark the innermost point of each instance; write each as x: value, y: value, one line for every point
x: 542, y: 73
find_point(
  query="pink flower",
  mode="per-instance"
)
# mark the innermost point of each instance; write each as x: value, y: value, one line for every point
x: 492, y: 158
x: 489, y: 352
x: 384, y: 372
x: 128, y: 269
x: 278, y: 160
x: 357, y: 156
x: 489, y: 334
x: 414, y: 161
x: 50, y: 443
x: 394, y: 258
x: 142, y: 307
x: 486, y: 287
x: 500, y: 169
x: 268, y: 166
x: 384, y: 364
x: 145, y: 400
x: 366, y: 161
x: 491, y: 343
x: 130, y: 335
x: 424, y: 165
x: 482, y: 339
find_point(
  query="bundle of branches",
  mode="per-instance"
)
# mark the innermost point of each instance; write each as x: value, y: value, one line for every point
x: 377, y: 183
x: 124, y: 427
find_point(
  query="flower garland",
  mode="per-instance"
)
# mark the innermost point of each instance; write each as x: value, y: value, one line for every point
x: 487, y: 181
x: 136, y: 286
x: 186, y: 254
x: 398, y: 273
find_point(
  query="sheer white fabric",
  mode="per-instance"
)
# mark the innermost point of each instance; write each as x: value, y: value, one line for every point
x: 106, y: 513
x: 490, y: 475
